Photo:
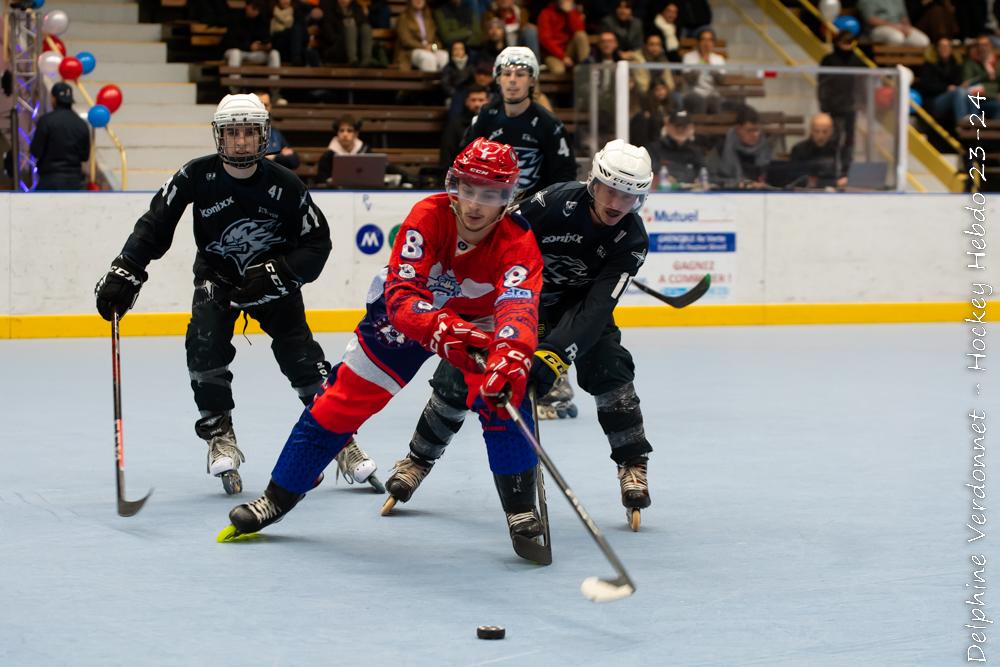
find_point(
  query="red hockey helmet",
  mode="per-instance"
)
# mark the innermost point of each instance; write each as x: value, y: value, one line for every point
x: 489, y: 171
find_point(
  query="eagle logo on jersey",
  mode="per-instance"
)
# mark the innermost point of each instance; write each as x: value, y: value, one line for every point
x: 565, y: 270
x: 245, y: 240
x: 529, y: 161
x: 445, y: 286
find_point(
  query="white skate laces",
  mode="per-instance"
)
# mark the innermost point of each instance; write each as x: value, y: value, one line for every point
x: 264, y: 509
x: 354, y: 464
x: 223, y: 454
x: 410, y: 472
x: 633, y: 477
x: 516, y: 519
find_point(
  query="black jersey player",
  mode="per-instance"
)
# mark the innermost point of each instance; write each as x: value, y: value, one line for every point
x: 259, y: 238
x: 593, y: 243
x: 544, y: 154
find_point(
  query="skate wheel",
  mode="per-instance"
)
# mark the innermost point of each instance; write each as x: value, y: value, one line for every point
x: 387, y: 506
x: 633, y: 520
x: 572, y: 411
x: 376, y: 485
x: 231, y: 482
x: 230, y: 534
x: 561, y: 413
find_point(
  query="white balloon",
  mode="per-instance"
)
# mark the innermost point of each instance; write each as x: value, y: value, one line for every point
x: 830, y: 9
x: 55, y: 22
x: 48, y: 62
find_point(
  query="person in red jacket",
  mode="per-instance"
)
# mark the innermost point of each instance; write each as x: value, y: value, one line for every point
x: 563, y: 36
x: 462, y: 283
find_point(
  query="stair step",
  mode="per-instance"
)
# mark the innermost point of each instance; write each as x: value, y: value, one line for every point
x: 145, y: 92
x: 109, y: 52
x: 143, y: 72
x: 197, y: 136
x: 159, y: 157
x: 86, y: 30
x: 164, y: 113
x: 111, y: 11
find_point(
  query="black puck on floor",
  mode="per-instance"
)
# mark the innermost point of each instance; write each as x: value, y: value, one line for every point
x: 490, y: 632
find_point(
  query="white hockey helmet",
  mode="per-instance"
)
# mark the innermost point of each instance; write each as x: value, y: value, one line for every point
x: 623, y: 167
x: 245, y: 110
x: 516, y: 56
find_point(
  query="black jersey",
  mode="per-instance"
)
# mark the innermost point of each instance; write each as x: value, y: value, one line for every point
x: 587, y: 266
x: 539, y: 139
x: 237, y: 222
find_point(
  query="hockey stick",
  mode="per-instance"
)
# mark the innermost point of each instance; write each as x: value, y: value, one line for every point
x: 685, y: 299
x: 527, y: 548
x: 125, y: 507
x: 593, y: 588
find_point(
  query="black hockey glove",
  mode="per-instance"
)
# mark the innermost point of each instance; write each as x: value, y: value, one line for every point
x: 118, y: 289
x: 265, y: 282
x: 546, y: 368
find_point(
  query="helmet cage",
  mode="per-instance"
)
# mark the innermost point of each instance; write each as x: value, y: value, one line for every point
x: 241, y: 114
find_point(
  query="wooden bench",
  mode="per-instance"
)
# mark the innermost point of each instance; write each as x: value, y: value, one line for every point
x: 890, y: 56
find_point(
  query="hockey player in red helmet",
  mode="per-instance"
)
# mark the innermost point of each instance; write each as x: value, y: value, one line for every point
x: 463, y: 278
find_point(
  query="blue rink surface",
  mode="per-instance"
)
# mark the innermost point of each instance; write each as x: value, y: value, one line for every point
x: 808, y: 492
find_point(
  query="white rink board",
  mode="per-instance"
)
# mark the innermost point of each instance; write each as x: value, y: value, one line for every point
x: 809, y: 248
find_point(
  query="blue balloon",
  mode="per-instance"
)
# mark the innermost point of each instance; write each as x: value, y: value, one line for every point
x: 99, y: 116
x: 917, y: 98
x: 848, y: 23
x: 38, y: 4
x: 88, y: 61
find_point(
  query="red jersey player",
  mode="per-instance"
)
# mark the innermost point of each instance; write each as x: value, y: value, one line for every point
x: 461, y: 266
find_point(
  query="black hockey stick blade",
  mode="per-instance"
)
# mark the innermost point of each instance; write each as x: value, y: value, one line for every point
x: 594, y: 589
x: 125, y: 507
x: 685, y: 299
x: 532, y: 550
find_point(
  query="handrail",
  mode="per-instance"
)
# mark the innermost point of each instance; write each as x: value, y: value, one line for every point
x: 114, y: 140
x: 921, y: 112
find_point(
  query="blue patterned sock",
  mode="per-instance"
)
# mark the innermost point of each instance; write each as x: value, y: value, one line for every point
x: 307, y: 452
x: 508, y: 451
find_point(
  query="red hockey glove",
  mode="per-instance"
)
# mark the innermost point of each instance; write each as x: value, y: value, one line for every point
x: 452, y: 339
x: 505, y: 378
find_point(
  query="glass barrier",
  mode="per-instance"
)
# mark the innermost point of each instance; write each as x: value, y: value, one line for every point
x: 736, y: 127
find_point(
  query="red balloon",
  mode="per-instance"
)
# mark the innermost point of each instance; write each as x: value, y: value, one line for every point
x: 70, y: 68
x: 58, y: 42
x: 93, y: 187
x: 885, y: 98
x: 110, y: 96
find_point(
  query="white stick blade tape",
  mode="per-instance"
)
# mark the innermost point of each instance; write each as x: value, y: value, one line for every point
x: 596, y: 589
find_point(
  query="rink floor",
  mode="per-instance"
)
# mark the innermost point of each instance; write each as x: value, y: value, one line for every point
x: 808, y: 509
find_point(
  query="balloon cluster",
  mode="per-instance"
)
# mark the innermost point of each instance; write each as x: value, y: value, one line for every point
x: 54, y: 60
x: 830, y: 9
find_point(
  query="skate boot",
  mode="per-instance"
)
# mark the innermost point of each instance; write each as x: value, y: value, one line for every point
x: 355, y: 466
x: 524, y: 524
x: 249, y: 518
x: 404, y: 480
x: 526, y: 535
x: 224, y: 457
x: 635, y: 489
x: 558, y: 403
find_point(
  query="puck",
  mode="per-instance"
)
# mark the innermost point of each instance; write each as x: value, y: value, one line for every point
x: 490, y: 632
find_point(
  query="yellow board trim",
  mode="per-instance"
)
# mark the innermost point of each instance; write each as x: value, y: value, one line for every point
x: 175, y: 324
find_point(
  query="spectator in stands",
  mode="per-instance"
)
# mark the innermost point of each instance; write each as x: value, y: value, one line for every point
x: 482, y: 77
x: 61, y: 143
x: 346, y: 142
x: 494, y: 41
x: 594, y: 12
x: 694, y: 16
x: 818, y: 156
x: 417, y: 43
x: 652, y: 52
x: 677, y: 150
x: 561, y: 34
x: 278, y: 148
x: 305, y: 38
x: 456, y: 127
x: 935, y: 18
x: 889, y: 24
x: 249, y: 40
x: 979, y: 74
x: 347, y: 35
x: 456, y: 21
x: 941, y: 82
x: 283, y: 28
x: 702, y: 94
x: 379, y: 13
x: 746, y: 151
x: 518, y: 31
x: 458, y: 72
x: 839, y: 94
x: 209, y: 12
x: 665, y: 25
x: 627, y: 29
